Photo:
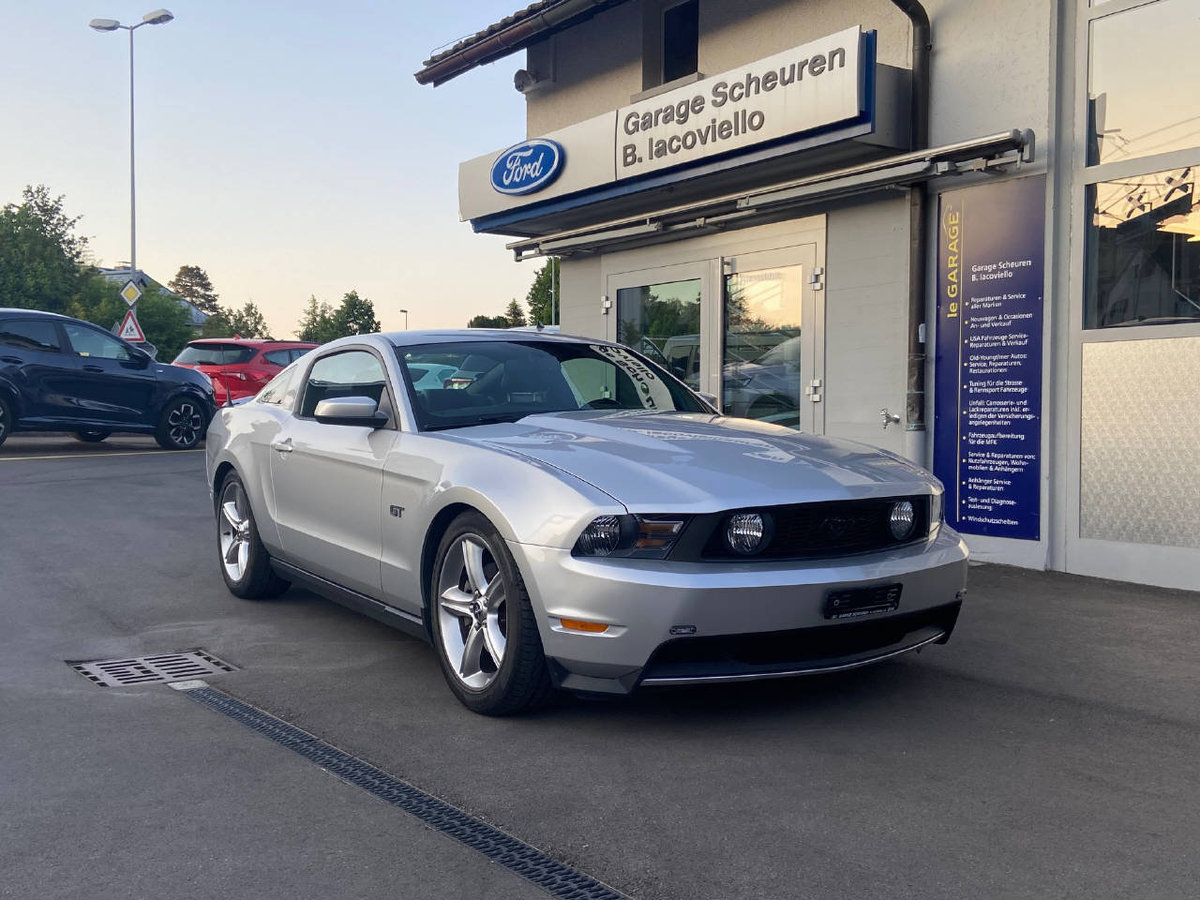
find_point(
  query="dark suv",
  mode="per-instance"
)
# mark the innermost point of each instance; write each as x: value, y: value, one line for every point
x: 62, y: 374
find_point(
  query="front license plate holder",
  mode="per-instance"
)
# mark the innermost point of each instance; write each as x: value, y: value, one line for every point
x: 855, y: 602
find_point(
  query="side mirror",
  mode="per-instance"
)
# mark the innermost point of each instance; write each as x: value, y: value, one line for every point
x: 710, y: 399
x: 140, y: 358
x: 362, y: 411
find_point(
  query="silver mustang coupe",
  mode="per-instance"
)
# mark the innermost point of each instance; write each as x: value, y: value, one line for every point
x: 556, y: 512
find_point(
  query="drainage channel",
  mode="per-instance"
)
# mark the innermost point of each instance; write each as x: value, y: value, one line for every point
x: 556, y: 878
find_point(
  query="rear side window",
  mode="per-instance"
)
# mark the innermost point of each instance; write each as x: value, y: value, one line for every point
x: 95, y: 344
x: 278, y: 387
x: 279, y: 357
x: 214, y: 355
x: 30, y: 334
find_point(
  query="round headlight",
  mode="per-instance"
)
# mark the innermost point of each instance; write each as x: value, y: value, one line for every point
x: 745, y: 532
x: 601, y: 537
x: 902, y: 520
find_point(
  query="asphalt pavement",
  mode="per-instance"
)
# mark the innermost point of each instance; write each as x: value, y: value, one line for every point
x: 1051, y: 749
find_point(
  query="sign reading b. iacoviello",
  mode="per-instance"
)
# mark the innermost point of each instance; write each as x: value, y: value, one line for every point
x: 528, y: 166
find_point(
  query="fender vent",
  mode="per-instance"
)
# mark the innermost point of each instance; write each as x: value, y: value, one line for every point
x: 151, y: 669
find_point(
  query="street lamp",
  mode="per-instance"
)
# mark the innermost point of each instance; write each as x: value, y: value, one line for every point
x: 405, y: 311
x: 157, y: 17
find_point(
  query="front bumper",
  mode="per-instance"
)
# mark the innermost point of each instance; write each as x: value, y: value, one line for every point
x: 672, y: 623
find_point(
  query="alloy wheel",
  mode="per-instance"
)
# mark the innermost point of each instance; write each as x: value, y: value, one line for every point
x: 234, y: 530
x: 472, y: 612
x: 184, y: 422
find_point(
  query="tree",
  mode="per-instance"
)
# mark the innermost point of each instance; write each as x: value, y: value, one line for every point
x: 317, y: 324
x: 42, y: 260
x: 514, y: 314
x: 217, y: 325
x: 249, y: 322
x: 543, y: 296
x: 356, y: 315
x: 488, y: 322
x: 192, y: 284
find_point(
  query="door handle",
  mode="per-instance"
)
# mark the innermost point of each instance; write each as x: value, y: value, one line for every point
x: 14, y: 360
x: 93, y: 368
x: 284, y: 446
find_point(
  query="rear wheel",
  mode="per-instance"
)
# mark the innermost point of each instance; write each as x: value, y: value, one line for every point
x: 245, y: 562
x: 5, y: 419
x: 181, y: 426
x: 483, y: 625
x: 91, y: 435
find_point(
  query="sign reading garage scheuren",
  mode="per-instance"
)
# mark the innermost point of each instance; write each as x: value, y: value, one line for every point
x: 799, y: 90
x: 988, y: 435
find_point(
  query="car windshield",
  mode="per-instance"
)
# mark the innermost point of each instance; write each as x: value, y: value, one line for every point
x: 483, y: 382
x: 214, y: 355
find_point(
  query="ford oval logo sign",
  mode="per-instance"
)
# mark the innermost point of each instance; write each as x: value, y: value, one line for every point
x: 527, y: 167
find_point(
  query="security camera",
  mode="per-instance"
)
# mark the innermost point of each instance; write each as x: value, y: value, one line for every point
x: 525, y: 81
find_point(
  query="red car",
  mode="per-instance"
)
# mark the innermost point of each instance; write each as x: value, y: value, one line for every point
x: 240, y: 367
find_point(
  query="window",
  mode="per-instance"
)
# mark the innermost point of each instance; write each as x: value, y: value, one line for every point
x: 96, y: 344
x: 279, y: 357
x: 353, y: 373
x: 30, y: 335
x: 214, y: 355
x: 1143, y: 259
x: 681, y: 39
x: 663, y: 322
x: 1143, y: 71
x: 277, y: 388
x: 506, y: 381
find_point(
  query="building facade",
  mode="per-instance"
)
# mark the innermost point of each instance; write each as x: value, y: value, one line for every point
x: 963, y: 232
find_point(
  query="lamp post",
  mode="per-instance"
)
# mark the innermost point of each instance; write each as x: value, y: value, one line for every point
x: 405, y: 311
x: 157, y: 17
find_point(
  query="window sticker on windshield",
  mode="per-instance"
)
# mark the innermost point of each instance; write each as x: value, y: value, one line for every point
x: 651, y: 390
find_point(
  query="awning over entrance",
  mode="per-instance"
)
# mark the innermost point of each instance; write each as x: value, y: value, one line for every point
x: 736, y: 210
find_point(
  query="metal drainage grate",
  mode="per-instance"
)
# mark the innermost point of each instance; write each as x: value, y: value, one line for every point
x: 150, y: 669
x: 559, y: 880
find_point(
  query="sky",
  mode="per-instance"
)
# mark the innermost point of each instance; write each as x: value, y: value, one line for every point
x: 283, y: 147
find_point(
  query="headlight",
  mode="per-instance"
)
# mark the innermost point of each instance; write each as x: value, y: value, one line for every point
x: 600, y: 538
x: 636, y: 537
x: 746, y: 533
x: 902, y: 520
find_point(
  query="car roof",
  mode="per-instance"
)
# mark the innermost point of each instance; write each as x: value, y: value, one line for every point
x: 16, y: 310
x: 459, y: 335
x: 253, y: 342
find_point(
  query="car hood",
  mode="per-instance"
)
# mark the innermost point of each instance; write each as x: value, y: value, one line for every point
x: 699, y: 462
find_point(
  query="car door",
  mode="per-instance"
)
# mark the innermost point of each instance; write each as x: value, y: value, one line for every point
x: 112, y: 382
x: 327, y: 479
x: 34, y: 366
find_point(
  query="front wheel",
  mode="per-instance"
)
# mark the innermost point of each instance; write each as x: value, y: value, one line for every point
x: 245, y: 562
x: 91, y: 435
x: 483, y: 625
x: 181, y: 426
x: 5, y: 419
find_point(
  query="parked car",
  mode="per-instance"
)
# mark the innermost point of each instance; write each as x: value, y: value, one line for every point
x: 240, y: 367
x: 63, y: 374
x: 574, y: 518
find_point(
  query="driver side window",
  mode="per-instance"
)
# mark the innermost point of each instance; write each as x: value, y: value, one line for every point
x: 352, y: 373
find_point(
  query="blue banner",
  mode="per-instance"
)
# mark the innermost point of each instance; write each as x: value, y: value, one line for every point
x: 988, y: 367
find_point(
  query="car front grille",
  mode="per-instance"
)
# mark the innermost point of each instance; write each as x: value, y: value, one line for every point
x: 813, y: 530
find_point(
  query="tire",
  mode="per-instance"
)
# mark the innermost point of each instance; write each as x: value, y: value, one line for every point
x: 470, y: 630
x: 91, y: 435
x: 245, y: 562
x: 6, y: 420
x: 182, y: 424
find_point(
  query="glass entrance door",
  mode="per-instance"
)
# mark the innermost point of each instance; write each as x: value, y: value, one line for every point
x: 770, y: 346
x: 664, y: 314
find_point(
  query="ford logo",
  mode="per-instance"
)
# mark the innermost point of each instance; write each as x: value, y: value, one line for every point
x: 527, y: 167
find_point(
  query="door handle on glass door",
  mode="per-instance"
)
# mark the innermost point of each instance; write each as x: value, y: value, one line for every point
x: 284, y: 446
